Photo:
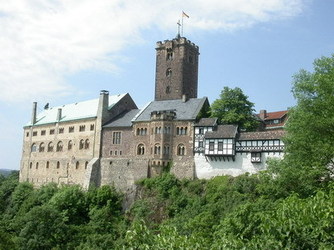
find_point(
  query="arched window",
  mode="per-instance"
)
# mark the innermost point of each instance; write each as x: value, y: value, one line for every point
x: 166, y: 150
x: 181, y: 130
x: 140, y: 149
x: 33, y: 147
x: 30, y: 166
x: 58, y: 164
x: 77, y: 164
x: 87, y: 144
x: 81, y: 144
x: 60, y: 146
x: 181, y: 149
x: 36, y: 165
x: 69, y: 145
x: 157, y: 149
x: 47, y: 164
x: 50, y: 147
x: 138, y: 131
x: 41, y: 147
x: 86, y: 164
x: 169, y: 72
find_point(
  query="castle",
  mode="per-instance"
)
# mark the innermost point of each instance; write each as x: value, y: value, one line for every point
x: 109, y: 141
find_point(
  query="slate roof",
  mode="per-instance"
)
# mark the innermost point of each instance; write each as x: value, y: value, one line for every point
x: 73, y: 111
x: 223, y: 131
x: 123, y: 120
x: 184, y: 110
x: 207, y: 122
x: 263, y: 135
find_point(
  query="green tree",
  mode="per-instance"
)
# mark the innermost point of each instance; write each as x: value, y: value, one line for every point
x: 71, y: 202
x: 310, y: 137
x: 42, y: 228
x: 233, y: 107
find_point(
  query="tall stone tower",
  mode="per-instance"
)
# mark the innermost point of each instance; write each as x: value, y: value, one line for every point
x: 176, y: 74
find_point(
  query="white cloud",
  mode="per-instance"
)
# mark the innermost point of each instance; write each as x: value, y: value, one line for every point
x: 41, y: 41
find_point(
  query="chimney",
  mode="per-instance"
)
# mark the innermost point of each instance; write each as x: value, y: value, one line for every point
x: 263, y: 114
x: 59, y: 114
x: 33, y: 116
x: 184, y: 98
x: 103, y: 105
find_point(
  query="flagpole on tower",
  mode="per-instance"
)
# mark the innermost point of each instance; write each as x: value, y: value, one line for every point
x: 183, y: 15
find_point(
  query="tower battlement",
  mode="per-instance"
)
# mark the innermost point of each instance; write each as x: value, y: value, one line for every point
x: 176, y: 41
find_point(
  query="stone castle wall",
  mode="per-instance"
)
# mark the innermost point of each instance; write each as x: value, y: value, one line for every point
x: 123, y: 172
x: 67, y: 161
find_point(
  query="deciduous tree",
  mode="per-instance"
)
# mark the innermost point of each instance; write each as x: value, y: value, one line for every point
x: 310, y: 137
x: 233, y: 107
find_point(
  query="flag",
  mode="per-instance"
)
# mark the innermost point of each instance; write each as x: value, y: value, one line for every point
x: 184, y: 14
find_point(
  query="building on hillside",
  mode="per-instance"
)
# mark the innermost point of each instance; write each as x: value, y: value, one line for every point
x: 273, y: 120
x: 142, y: 143
x: 63, y: 144
x: 227, y: 151
x: 109, y: 141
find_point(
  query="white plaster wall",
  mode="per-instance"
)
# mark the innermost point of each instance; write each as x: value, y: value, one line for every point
x: 206, y: 169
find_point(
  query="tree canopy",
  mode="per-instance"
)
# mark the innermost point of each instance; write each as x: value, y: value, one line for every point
x: 310, y: 128
x: 233, y: 107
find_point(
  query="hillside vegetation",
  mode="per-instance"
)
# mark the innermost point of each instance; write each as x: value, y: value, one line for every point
x: 288, y: 206
x: 221, y: 213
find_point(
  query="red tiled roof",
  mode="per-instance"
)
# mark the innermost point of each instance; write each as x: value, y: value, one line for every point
x: 275, y: 115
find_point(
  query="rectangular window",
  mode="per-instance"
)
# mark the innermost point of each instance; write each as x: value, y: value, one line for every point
x: 116, y: 138
x: 201, y: 131
x: 52, y: 131
x: 256, y: 157
x: 91, y: 127
x: 27, y: 135
x: 200, y: 144
x: 43, y: 132
x: 211, y: 146
x: 71, y: 129
x: 34, y: 133
x: 220, y: 146
x: 61, y: 130
x: 82, y: 128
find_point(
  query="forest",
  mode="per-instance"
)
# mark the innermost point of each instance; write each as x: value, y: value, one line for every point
x: 288, y: 206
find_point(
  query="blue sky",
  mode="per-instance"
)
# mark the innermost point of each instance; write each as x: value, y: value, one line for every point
x: 67, y: 51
